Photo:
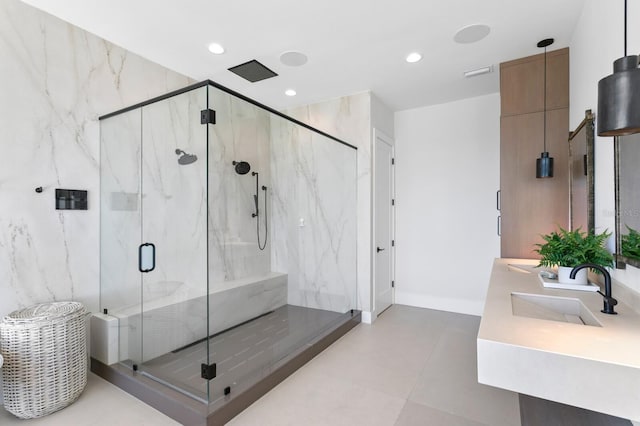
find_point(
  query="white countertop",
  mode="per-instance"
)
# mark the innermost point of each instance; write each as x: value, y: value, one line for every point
x: 597, y: 368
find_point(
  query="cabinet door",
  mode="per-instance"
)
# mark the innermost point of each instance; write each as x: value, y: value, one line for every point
x: 531, y: 206
x: 521, y: 87
x: 521, y: 83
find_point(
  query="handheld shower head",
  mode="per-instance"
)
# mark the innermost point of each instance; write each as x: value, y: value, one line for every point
x: 242, y: 167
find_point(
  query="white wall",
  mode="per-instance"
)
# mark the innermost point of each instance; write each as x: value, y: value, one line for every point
x: 597, y: 42
x: 447, y: 175
x: 382, y: 118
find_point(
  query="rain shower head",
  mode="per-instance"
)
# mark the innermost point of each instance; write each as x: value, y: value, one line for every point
x: 242, y: 167
x: 185, y: 158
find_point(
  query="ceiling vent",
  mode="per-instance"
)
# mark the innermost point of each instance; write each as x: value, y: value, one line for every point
x: 253, y: 71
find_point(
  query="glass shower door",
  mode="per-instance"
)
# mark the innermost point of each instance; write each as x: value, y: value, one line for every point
x: 173, y: 250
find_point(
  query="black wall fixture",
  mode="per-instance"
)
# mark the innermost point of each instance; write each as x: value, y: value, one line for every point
x: 619, y: 95
x: 71, y: 199
x: 544, y: 164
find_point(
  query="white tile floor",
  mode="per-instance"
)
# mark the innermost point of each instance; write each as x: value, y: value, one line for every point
x: 412, y: 367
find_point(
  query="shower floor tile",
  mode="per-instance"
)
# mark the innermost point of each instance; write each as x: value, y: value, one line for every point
x: 242, y: 354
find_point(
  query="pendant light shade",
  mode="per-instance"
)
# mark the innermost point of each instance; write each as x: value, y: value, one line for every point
x: 619, y: 95
x: 544, y: 164
x: 619, y: 99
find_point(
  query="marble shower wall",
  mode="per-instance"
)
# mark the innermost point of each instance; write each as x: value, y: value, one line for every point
x: 241, y: 133
x: 55, y: 80
x: 314, y: 216
x: 349, y: 118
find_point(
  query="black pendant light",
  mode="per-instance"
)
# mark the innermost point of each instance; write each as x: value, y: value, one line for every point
x: 544, y: 164
x: 619, y: 95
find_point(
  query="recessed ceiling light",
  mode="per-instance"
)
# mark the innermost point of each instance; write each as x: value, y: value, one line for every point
x: 216, y: 49
x: 471, y: 33
x: 293, y: 59
x: 290, y: 92
x: 413, y: 57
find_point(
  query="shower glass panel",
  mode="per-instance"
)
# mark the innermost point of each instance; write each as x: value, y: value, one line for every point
x: 120, y: 228
x: 282, y: 239
x: 174, y: 219
x: 154, y: 237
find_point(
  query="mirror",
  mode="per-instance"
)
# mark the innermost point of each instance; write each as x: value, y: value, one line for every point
x: 627, y: 158
x: 581, y: 175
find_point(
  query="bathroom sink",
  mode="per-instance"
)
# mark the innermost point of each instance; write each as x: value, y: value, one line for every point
x: 552, y: 308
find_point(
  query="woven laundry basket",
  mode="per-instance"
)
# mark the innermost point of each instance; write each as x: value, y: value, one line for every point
x: 45, y: 358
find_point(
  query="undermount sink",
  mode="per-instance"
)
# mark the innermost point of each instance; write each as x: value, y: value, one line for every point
x: 552, y: 308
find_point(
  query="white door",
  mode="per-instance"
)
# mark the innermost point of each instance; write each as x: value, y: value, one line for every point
x: 383, y: 223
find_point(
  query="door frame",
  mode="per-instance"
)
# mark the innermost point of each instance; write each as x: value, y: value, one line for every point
x: 378, y: 134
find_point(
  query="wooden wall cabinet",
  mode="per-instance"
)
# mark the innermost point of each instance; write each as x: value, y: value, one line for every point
x: 530, y: 206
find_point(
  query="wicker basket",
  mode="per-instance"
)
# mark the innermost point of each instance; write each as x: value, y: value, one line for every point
x: 45, y: 358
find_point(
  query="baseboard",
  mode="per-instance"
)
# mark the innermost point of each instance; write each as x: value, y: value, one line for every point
x: 460, y: 306
x: 368, y: 317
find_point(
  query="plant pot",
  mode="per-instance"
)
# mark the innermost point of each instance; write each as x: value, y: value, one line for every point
x: 565, y: 271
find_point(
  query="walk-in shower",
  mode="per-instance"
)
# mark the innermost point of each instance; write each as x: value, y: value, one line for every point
x: 252, y: 245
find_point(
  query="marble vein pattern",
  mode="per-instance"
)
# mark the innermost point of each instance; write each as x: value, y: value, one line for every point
x: 241, y: 133
x: 349, y: 118
x: 314, y: 220
x: 55, y: 80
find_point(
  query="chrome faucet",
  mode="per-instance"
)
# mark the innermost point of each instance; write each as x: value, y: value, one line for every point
x: 609, y: 301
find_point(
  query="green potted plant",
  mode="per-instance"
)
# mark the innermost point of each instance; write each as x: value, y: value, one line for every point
x: 631, y: 243
x: 568, y: 249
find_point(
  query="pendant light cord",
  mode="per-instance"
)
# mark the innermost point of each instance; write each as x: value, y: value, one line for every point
x: 625, y: 27
x: 544, y: 111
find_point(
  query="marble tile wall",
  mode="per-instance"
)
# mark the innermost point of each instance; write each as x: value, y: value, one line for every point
x: 241, y: 133
x: 349, y: 118
x: 55, y: 80
x: 314, y: 216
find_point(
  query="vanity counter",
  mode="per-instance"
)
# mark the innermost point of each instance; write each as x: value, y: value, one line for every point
x: 597, y: 368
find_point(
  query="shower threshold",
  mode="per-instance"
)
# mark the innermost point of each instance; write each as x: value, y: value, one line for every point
x: 156, y: 385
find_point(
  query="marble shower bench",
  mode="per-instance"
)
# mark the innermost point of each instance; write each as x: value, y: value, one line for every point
x: 116, y: 336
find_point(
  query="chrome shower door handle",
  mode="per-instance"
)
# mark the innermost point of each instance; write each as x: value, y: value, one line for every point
x: 146, y: 257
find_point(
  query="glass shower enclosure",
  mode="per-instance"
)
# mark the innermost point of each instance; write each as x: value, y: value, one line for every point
x: 228, y: 238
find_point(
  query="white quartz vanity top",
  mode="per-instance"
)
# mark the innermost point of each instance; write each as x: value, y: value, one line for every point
x: 596, y: 368
x: 617, y: 341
